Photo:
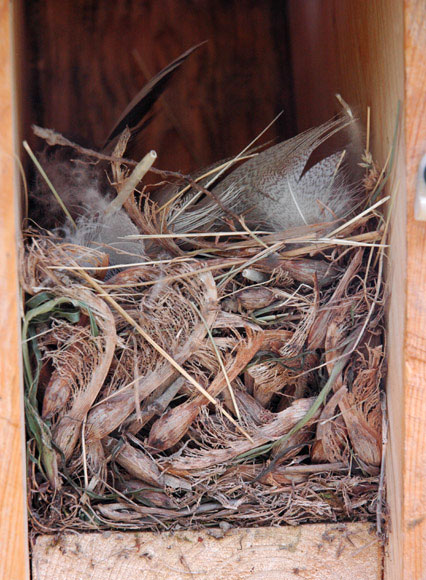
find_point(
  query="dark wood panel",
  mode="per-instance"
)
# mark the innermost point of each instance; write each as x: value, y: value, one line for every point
x: 84, y: 67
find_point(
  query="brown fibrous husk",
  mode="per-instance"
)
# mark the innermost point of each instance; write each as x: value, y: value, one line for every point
x: 138, y: 443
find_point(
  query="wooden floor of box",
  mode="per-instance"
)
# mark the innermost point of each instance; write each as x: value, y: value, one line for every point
x: 317, y: 552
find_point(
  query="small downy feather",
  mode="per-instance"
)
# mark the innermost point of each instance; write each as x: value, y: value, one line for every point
x: 97, y: 230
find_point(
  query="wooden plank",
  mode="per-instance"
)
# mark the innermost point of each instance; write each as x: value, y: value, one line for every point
x: 13, y: 539
x: 223, y: 96
x: 414, y: 499
x: 311, y: 552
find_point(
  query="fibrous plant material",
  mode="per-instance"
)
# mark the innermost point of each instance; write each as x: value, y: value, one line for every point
x: 232, y: 376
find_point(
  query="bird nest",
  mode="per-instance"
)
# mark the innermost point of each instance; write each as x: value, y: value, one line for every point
x: 233, y: 379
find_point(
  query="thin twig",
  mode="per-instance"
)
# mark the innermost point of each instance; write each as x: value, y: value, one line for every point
x: 129, y: 186
x: 220, y: 361
x: 83, y: 452
x: 380, y: 493
x: 360, y: 215
x: 48, y: 182
x: 201, y: 178
x: 196, y: 235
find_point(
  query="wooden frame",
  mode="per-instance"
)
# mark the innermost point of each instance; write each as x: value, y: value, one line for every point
x: 387, y: 41
x: 14, y: 562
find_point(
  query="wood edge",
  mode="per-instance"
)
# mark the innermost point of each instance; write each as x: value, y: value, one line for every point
x: 14, y: 559
x: 413, y: 524
x: 315, y: 551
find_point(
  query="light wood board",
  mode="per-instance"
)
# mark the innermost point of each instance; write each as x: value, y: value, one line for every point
x: 413, y: 534
x: 309, y: 552
x: 13, y: 519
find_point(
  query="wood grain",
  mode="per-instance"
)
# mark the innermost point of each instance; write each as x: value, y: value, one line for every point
x: 84, y: 68
x: 13, y: 539
x: 311, y: 552
x: 414, y: 502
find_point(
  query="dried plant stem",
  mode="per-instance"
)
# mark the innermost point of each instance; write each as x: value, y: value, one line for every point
x: 296, y: 469
x: 222, y: 366
x: 379, y: 508
x: 316, y: 247
x: 373, y: 303
x: 360, y: 215
x: 201, y: 178
x: 53, y: 138
x: 252, y: 234
x: 196, y: 235
x: 132, y: 181
x: 178, y: 260
x: 83, y: 452
x: 229, y: 275
x: 385, y: 173
x: 174, y: 277
x: 49, y: 183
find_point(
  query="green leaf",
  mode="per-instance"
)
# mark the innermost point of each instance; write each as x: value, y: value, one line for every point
x: 43, y: 437
x: 40, y: 309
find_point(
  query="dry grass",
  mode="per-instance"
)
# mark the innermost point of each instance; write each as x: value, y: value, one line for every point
x: 179, y: 392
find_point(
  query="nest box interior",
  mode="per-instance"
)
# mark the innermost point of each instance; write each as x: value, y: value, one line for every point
x: 80, y: 62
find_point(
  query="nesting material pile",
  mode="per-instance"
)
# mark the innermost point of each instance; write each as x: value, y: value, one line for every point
x: 231, y: 378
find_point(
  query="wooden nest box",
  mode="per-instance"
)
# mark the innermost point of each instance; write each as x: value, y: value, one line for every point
x: 73, y: 66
